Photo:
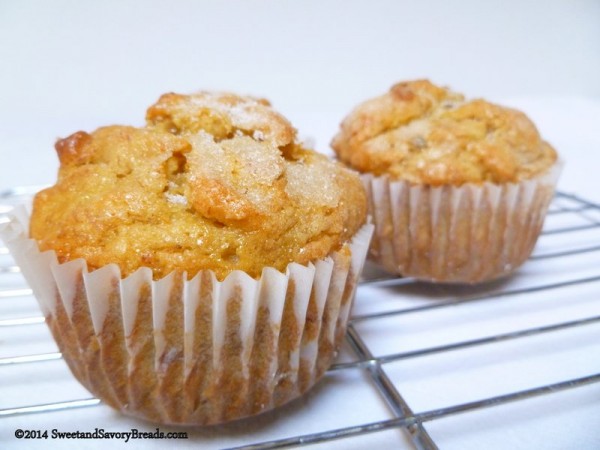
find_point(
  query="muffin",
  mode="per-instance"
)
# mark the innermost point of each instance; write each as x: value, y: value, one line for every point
x: 458, y: 189
x: 199, y: 269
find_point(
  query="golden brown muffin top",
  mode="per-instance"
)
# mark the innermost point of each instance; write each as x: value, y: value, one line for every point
x: 214, y: 181
x: 426, y: 134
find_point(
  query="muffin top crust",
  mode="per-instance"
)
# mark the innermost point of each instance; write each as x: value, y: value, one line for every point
x: 213, y: 181
x: 426, y: 134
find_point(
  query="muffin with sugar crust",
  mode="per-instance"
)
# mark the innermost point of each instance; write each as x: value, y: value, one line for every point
x: 212, y: 182
x: 199, y: 269
x: 458, y: 189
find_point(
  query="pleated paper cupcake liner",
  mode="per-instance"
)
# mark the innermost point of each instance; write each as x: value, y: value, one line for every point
x: 466, y: 234
x: 199, y: 351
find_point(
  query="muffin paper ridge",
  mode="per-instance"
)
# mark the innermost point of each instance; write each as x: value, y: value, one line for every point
x: 465, y: 234
x: 198, y: 351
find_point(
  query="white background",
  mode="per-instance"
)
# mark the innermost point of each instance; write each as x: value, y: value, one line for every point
x: 76, y: 65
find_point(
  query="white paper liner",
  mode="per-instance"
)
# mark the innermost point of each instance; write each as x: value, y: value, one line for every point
x: 457, y: 234
x: 198, y: 351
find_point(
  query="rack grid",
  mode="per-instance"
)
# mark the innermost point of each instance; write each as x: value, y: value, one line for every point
x: 574, y: 216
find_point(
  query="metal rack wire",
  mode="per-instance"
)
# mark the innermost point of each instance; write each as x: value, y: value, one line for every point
x: 372, y: 363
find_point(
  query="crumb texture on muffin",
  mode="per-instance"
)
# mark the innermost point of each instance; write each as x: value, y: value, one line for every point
x: 426, y: 134
x: 213, y: 181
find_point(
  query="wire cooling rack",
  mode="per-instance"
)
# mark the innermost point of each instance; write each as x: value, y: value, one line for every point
x: 550, y: 307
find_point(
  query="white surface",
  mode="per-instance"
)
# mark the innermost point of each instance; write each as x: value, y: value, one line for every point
x: 66, y: 66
